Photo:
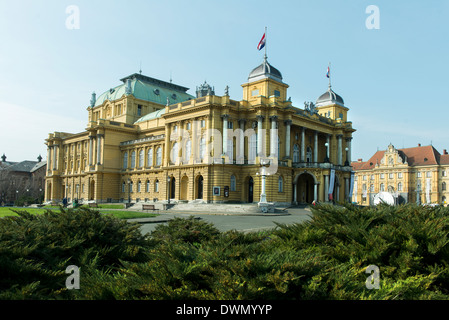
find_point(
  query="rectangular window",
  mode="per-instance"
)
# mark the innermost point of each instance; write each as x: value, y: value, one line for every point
x: 203, y: 123
x: 277, y: 93
x: 382, y: 175
x: 189, y: 126
x: 390, y: 176
x: 255, y: 93
x: 400, y: 175
x: 230, y: 125
x: 419, y: 174
x: 428, y: 174
x: 443, y: 173
x: 139, y: 110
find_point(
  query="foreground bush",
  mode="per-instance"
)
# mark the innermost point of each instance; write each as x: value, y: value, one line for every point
x: 325, y: 258
x: 35, y: 250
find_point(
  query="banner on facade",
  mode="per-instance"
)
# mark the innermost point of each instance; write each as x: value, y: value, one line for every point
x: 331, y: 183
x: 351, y: 185
x: 428, y: 190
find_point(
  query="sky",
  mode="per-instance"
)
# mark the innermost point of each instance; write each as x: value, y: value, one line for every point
x: 389, y: 64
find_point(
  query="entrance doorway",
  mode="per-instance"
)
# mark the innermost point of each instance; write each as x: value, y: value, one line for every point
x: 200, y: 188
x: 172, y: 188
x: 304, y: 188
x: 250, y: 190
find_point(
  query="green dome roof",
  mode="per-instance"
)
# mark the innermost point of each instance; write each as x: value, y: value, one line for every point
x: 148, y: 89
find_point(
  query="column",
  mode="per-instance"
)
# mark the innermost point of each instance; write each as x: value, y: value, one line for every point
x: 303, y: 144
x: 99, y: 138
x: 195, y: 142
x: 166, y: 160
x: 48, y: 158
x: 91, y: 150
x: 315, y: 192
x: 273, y: 137
x: 288, y: 124
x: 55, y: 150
x: 225, y: 133
x: 315, y: 147
x: 241, y: 153
x: 339, y: 150
x: 259, y: 135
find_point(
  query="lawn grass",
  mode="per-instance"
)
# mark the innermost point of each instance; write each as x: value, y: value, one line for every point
x: 7, y: 211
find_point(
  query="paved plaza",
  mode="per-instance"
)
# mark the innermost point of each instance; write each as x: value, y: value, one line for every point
x: 224, y: 221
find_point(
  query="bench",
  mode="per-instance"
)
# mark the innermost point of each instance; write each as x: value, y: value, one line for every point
x: 149, y: 207
x: 93, y: 205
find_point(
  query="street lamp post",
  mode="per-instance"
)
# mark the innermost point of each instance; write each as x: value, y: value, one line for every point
x: 347, y: 161
x: 326, y: 159
x: 168, y: 188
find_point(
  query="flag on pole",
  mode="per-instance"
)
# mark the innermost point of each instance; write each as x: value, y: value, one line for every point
x: 261, y: 43
x: 328, y: 74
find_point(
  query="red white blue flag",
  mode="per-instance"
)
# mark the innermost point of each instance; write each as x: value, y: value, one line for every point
x: 261, y: 43
x: 328, y: 74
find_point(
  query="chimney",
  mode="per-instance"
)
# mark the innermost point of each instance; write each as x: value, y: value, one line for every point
x: 444, y: 151
x: 359, y: 160
x: 3, y: 158
x: 419, y: 144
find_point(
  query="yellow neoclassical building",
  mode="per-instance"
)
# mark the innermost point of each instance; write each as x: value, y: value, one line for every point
x: 417, y: 174
x: 149, y: 140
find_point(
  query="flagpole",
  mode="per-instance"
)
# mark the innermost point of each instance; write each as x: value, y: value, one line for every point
x: 265, y: 57
x: 329, y: 75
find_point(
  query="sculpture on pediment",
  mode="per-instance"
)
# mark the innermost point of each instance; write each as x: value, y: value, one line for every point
x: 310, y: 108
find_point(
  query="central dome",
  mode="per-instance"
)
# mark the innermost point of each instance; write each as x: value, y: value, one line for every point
x: 329, y: 97
x: 265, y: 70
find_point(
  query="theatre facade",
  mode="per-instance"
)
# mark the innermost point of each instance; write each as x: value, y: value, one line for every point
x: 149, y: 140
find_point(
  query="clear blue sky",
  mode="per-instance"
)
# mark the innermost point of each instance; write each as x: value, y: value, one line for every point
x: 393, y: 79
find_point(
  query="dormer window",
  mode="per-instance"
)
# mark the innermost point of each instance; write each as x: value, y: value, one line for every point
x: 156, y: 92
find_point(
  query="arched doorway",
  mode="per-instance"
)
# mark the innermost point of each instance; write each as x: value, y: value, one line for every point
x: 49, y: 192
x: 250, y: 190
x: 92, y: 190
x: 172, y: 188
x: 304, y: 188
x: 184, y: 187
x: 199, y: 188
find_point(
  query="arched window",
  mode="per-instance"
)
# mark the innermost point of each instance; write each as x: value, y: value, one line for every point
x: 156, y: 186
x: 295, y: 153
x: 309, y: 154
x: 131, y: 187
x: 150, y: 157
x: 382, y: 187
x: 230, y: 151
x: 125, y: 160
x: 174, y: 154
x: 133, y: 159
x: 371, y: 188
x: 233, y: 183
x: 443, y: 186
x: 147, y: 186
x: 280, y: 184
x: 202, y: 148
x: 141, y: 158
x: 188, y: 150
x: 139, y: 185
x: 400, y: 186
x: 252, y: 148
x: 124, y: 186
x: 159, y: 156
